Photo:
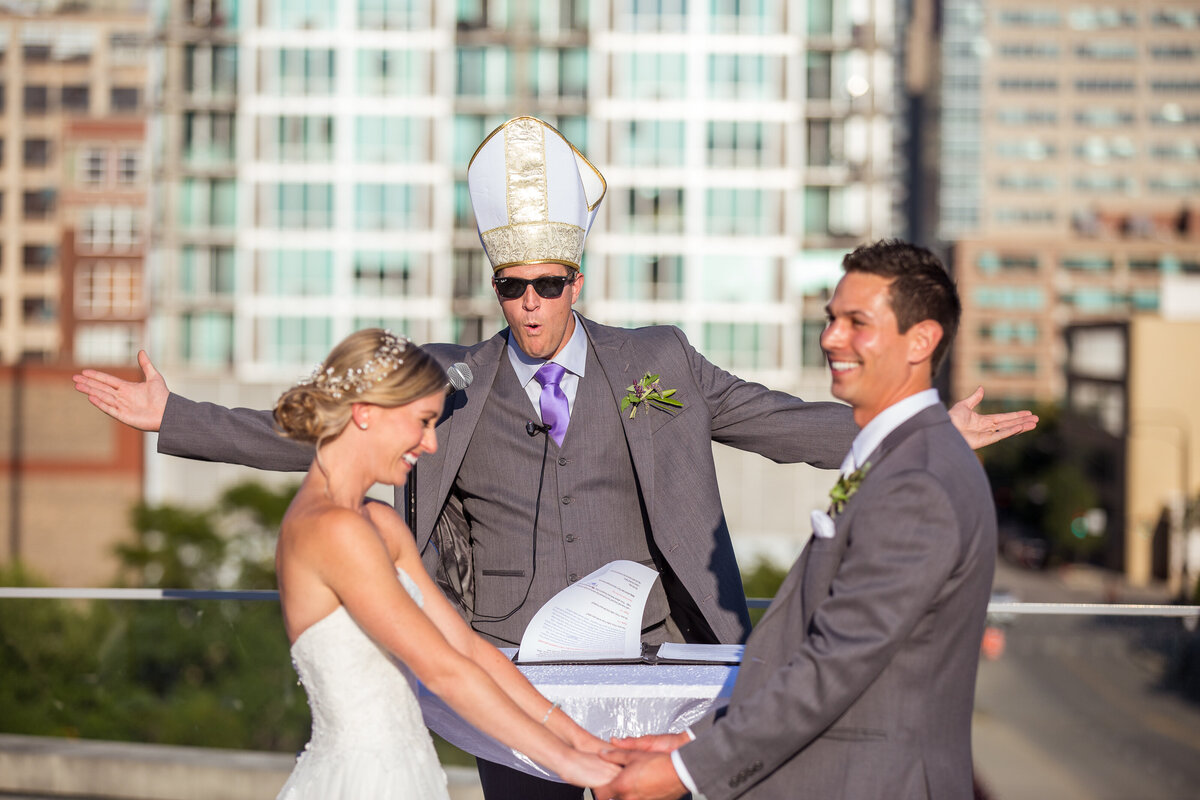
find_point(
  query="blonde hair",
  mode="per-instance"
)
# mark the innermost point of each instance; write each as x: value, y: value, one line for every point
x: 369, y: 366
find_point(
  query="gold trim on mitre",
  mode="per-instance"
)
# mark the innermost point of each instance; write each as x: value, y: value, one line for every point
x: 534, y: 243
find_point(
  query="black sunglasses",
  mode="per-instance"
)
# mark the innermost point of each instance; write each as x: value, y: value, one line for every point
x: 547, y: 286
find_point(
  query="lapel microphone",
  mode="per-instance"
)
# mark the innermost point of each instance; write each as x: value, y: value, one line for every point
x: 533, y: 429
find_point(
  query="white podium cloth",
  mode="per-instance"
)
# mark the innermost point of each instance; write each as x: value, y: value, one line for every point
x: 606, y: 699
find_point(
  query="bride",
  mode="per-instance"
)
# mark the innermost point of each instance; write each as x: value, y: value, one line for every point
x: 361, y: 613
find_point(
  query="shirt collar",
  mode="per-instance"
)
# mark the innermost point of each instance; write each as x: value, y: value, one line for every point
x: 886, y: 421
x: 573, y: 356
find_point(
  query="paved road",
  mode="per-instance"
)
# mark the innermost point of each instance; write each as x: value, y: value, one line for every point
x: 1075, y: 708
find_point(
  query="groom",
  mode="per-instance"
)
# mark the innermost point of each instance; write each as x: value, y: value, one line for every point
x: 859, y: 681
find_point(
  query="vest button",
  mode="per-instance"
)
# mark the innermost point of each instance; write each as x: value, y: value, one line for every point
x: 562, y: 462
x: 572, y: 577
x: 570, y: 537
x: 566, y: 501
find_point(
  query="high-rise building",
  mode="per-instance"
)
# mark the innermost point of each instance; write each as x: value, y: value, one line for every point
x: 1070, y: 170
x: 72, y: 234
x: 312, y: 159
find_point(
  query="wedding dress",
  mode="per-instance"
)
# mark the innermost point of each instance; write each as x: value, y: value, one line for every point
x: 368, y: 737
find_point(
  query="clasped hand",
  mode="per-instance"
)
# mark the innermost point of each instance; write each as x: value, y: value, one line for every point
x: 646, y: 769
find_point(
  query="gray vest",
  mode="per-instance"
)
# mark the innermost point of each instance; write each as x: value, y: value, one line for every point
x: 590, y: 512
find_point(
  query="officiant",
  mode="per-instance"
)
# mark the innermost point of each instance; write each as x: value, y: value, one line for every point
x: 576, y: 443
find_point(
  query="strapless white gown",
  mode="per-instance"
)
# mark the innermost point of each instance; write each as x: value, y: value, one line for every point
x: 368, y: 737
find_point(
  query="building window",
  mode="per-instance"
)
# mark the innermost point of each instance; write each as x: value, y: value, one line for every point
x: 1009, y: 332
x: 208, y: 137
x: 649, y: 75
x: 1087, y: 263
x: 1085, y: 18
x: 38, y: 204
x: 1176, y: 51
x: 394, y: 73
x: 1106, y: 51
x: 297, y: 138
x: 990, y: 262
x: 1176, y: 18
x: 742, y: 212
x: 651, y: 16
x: 745, y: 76
x: 746, y: 144
x: 391, y: 140
x: 208, y: 203
x: 298, y: 206
x: 36, y: 100
x: 742, y: 345
x: 1029, y: 149
x: 1103, y: 183
x: 649, y: 143
x: 76, y: 99
x: 129, y: 166
x: 206, y: 272
x: 107, y: 344
x: 1028, y: 50
x: 38, y: 310
x: 385, y: 273
x: 1009, y: 365
x: 384, y: 206
x: 1027, y: 116
x: 293, y: 340
x: 1030, y: 18
x: 302, y: 15
x: 1028, y: 84
x: 1104, y: 117
x: 108, y: 289
x: 650, y: 209
x: 304, y: 71
x: 1175, y: 85
x: 36, y: 152
x: 125, y: 99
x: 38, y: 257
x: 1027, y: 182
x: 1105, y: 85
x: 291, y: 273
x: 102, y: 229
x: 819, y: 75
x: 208, y: 338
x: 646, y: 277
x: 93, y: 166
x: 394, y: 14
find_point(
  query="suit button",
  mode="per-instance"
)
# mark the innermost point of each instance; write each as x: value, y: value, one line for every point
x: 572, y: 577
x: 562, y: 462
x: 566, y: 501
x: 570, y: 537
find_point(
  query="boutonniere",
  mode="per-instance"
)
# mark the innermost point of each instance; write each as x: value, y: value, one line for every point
x: 648, y: 390
x: 845, y: 488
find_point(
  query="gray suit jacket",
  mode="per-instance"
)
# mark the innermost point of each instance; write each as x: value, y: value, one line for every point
x: 671, y: 453
x: 859, y: 681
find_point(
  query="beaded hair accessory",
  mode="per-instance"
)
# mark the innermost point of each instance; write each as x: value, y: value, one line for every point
x: 387, y: 359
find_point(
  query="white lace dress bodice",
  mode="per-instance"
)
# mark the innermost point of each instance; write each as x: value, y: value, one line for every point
x: 368, y: 737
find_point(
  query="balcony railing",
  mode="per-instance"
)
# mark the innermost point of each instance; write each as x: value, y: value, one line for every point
x: 1083, y: 701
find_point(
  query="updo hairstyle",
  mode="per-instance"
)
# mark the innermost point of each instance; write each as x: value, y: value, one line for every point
x: 370, y: 366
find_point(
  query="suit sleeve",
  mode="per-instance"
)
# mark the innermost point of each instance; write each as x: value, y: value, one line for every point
x: 780, y: 426
x: 208, y: 432
x: 903, y: 545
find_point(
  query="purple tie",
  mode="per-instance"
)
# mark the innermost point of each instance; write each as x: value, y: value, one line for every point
x: 555, y: 411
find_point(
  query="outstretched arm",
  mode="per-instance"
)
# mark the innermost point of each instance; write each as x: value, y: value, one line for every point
x: 139, y: 405
x: 983, y: 429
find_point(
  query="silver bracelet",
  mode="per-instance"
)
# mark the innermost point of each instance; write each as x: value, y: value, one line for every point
x: 550, y: 711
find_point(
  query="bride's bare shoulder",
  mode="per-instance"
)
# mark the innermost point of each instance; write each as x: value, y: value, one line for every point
x: 322, y: 529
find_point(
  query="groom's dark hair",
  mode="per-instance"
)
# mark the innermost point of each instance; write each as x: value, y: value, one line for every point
x: 920, y: 287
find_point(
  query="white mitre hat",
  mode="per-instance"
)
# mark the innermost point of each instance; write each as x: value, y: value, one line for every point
x: 534, y: 195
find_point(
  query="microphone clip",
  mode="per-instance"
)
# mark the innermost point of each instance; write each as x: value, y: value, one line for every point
x: 533, y: 429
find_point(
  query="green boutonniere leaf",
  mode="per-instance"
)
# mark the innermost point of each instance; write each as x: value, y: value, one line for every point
x: 845, y: 488
x: 648, y: 390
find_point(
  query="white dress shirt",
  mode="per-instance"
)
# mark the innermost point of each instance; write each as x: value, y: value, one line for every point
x: 572, y: 358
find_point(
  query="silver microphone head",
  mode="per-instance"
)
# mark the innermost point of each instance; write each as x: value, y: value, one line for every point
x: 459, y: 375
